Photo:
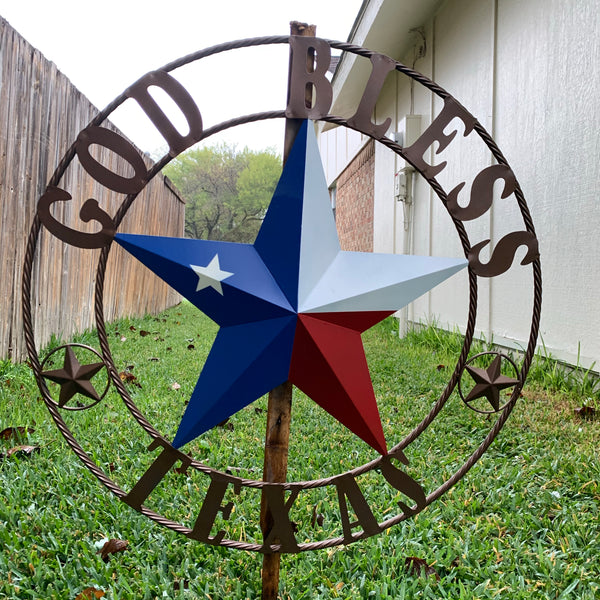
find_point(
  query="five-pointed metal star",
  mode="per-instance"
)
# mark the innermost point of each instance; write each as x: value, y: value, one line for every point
x: 293, y: 305
x: 489, y: 382
x: 74, y: 378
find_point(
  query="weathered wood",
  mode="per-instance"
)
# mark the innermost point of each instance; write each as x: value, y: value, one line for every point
x: 41, y: 113
x: 279, y: 411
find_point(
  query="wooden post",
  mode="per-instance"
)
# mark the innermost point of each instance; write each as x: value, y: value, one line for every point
x: 279, y: 412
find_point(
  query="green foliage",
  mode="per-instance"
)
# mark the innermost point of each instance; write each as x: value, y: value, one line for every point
x: 226, y: 192
x: 522, y: 524
x: 553, y: 375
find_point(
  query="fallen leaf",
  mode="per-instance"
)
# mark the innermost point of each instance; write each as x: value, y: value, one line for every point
x: 123, y: 338
x: 128, y: 377
x: 22, y: 451
x: 90, y: 593
x: 416, y: 566
x: 441, y: 367
x: 144, y: 333
x: 226, y: 424
x: 259, y: 410
x: 181, y: 585
x: 586, y: 412
x: 13, y: 432
x: 175, y: 386
x: 132, y: 328
x: 111, y: 547
x: 154, y: 359
x: 316, y: 518
x: 191, y: 347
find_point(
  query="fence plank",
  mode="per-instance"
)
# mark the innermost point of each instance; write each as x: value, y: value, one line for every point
x: 41, y: 113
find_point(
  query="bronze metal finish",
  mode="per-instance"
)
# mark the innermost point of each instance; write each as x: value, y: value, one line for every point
x: 75, y: 378
x: 488, y: 382
x: 282, y: 496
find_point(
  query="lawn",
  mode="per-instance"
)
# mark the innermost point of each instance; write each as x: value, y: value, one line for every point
x: 523, y: 523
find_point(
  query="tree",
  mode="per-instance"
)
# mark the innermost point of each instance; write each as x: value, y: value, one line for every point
x: 226, y: 192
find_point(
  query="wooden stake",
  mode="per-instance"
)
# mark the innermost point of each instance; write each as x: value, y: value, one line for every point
x: 279, y: 412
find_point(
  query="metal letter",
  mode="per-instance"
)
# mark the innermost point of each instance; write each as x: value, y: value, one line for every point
x: 403, y: 483
x: 177, y: 142
x: 119, y: 145
x: 90, y: 211
x: 154, y: 475
x: 435, y: 133
x: 381, y: 66
x: 211, y: 507
x: 503, y: 254
x: 301, y: 77
x: 347, y: 486
x: 482, y: 192
x: 282, y: 531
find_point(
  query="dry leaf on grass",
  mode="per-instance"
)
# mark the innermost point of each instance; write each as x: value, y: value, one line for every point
x: 22, y: 451
x: 90, y: 593
x: 112, y: 546
x: 181, y: 585
x: 316, y: 518
x: 128, y: 377
x: 418, y: 566
x: 586, y: 412
x: 12, y: 432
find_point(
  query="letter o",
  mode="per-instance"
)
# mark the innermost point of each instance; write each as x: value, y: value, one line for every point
x: 119, y: 145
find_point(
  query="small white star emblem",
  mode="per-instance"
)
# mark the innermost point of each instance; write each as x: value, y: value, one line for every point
x: 211, y: 275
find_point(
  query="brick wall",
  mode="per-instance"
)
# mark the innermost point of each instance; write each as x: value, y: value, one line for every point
x: 354, y: 202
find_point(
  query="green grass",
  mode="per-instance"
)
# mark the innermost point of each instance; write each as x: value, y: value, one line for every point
x: 523, y: 523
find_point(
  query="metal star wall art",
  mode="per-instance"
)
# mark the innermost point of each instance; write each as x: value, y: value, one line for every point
x: 74, y: 378
x: 489, y: 382
x: 292, y: 306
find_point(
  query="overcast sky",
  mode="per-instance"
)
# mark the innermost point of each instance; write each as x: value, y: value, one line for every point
x: 105, y: 46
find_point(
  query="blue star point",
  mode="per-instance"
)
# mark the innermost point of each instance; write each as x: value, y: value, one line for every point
x: 291, y: 306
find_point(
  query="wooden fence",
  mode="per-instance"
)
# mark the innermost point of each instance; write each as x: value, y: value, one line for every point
x: 41, y: 113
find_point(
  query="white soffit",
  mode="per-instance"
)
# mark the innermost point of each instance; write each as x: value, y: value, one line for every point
x: 383, y: 26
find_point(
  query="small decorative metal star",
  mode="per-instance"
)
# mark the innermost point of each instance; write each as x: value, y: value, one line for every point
x: 489, y: 382
x: 74, y: 378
